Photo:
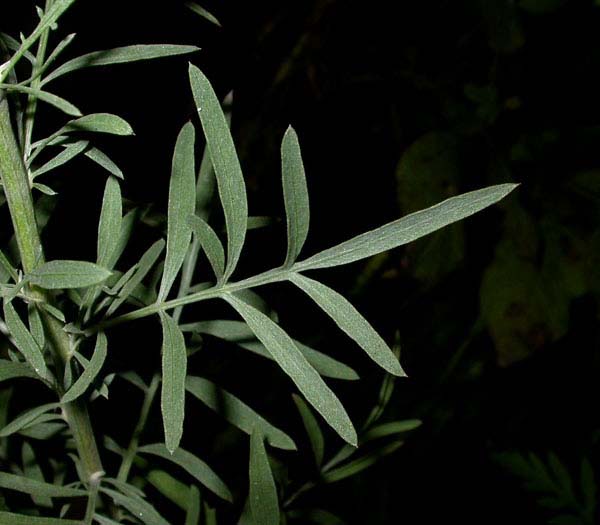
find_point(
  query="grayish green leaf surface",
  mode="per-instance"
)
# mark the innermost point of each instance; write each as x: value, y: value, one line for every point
x: 264, y: 504
x: 317, y: 441
x: 91, y: 371
x: 295, y: 194
x: 174, y: 365
x: 238, y: 332
x: 199, y: 10
x: 182, y: 201
x: 27, y: 418
x: 54, y: 100
x: 100, y: 123
x: 192, y: 516
x: 63, y: 274
x: 9, y: 518
x: 70, y: 152
x: 351, y: 322
x: 210, y: 244
x: 12, y: 369
x: 24, y: 341
x: 119, y: 55
x: 109, y: 225
x: 407, y: 229
x: 295, y: 365
x: 230, y: 181
x: 236, y: 411
x: 193, y: 466
x: 30, y: 486
x: 144, y: 265
x: 140, y: 508
x: 100, y: 158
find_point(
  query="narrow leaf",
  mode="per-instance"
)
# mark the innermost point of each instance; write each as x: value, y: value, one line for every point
x: 193, y: 465
x: 317, y: 441
x: 295, y: 365
x: 226, y: 165
x: 144, y: 265
x: 91, y: 371
x: 38, y: 488
x: 390, y: 429
x: 140, y: 508
x: 210, y: 244
x: 174, y: 364
x: 182, y: 201
x: 9, y: 518
x: 360, y: 464
x: 99, y: 123
x: 350, y: 321
x: 119, y: 55
x: 59, y: 103
x: 24, y: 341
x: 103, y: 160
x: 236, y: 411
x: 27, y: 418
x: 12, y: 370
x: 70, y: 152
x: 199, y: 10
x: 407, y: 229
x: 169, y: 487
x: 109, y: 225
x: 295, y: 194
x: 192, y: 516
x: 238, y: 332
x: 63, y: 274
x: 264, y: 504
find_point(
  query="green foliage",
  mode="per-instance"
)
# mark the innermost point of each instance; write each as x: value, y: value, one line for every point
x: 71, y: 303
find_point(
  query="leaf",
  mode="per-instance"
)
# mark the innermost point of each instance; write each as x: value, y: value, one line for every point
x: 13, y: 369
x: 63, y: 274
x: 26, y: 418
x: 46, y: 22
x: 70, y: 152
x: 210, y: 244
x: 91, y: 371
x: 226, y: 165
x: 317, y: 442
x: 144, y: 265
x: 32, y: 469
x: 360, y: 464
x: 295, y: 365
x: 239, y: 333
x: 390, y: 429
x: 60, y: 103
x: 103, y: 160
x: 109, y: 225
x: 350, y: 321
x: 199, y: 10
x: 37, y: 488
x: 264, y: 504
x: 193, y: 466
x: 99, y: 123
x: 140, y: 508
x: 169, y: 487
x: 47, y: 190
x: 236, y: 411
x: 192, y: 516
x: 408, y: 228
x: 119, y: 55
x: 24, y: 341
x: 8, y: 518
x: 174, y: 365
x: 182, y: 201
x: 8, y: 267
x: 295, y: 194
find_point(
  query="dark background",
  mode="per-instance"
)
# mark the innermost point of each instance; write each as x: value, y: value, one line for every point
x: 397, y: 105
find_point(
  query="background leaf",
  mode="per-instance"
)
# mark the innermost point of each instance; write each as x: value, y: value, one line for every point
x: 263, y: 493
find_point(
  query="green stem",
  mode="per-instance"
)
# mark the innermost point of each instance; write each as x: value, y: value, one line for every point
x: 129, y: 455
x: 20, y: 202
x: 268, y: 277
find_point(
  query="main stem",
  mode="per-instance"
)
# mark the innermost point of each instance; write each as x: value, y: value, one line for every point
x: 20, y: 203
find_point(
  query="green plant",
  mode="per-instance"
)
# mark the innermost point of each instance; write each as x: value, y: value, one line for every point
x: 56, y: 311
